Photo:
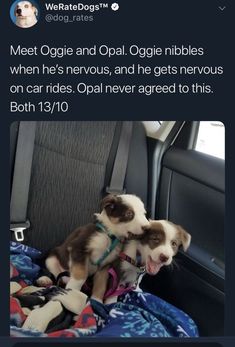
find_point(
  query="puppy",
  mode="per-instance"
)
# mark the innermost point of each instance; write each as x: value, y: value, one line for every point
x: 147, y: 253
x: 97, y: 244
x: 26, y: 14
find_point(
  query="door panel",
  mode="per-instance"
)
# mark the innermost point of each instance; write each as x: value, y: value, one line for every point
x: 191, y: 192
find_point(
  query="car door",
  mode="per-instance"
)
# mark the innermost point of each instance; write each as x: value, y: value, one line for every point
x: 189, y: 189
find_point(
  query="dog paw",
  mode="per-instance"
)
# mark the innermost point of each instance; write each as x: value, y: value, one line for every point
x: 44, y: 281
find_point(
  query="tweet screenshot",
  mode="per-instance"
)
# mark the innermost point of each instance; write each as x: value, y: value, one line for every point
x: 115, y: 116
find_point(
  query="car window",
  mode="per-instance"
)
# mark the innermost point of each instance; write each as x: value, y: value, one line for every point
x: 211, y: 139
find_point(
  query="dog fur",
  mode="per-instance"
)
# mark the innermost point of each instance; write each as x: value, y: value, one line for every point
x: 122, y: 215
x: 157, y: 247
x: 26, y: 14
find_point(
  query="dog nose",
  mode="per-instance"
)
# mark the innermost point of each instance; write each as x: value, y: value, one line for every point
x: 18, y: 11
x: 163, y: 258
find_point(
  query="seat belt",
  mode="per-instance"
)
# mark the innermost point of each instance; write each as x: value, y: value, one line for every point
x: 21, y: 179
x: 120, y: 163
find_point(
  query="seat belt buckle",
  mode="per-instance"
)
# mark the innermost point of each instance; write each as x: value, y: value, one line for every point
x: 114, y: 191
x: 18, y: 229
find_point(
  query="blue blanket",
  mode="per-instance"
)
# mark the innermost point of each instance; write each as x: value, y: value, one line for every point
x: 142, y: 314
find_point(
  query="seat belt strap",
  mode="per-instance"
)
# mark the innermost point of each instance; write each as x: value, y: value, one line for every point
x: 120, y: 163
x: 21, y: 179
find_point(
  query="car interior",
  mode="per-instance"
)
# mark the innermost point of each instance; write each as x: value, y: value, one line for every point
x: 71, y: 170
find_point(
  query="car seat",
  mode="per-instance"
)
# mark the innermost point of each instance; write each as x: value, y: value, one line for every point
x: 71, y: 167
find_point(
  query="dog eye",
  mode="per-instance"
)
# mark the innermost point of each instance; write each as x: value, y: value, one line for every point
x: 129, y: 214
x: 155, y: 239
x: 111, y: 206
x: 26, y: 6
x: 174, y: 244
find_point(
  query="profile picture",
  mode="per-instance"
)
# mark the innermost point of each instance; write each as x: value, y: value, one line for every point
x: 24, y: 14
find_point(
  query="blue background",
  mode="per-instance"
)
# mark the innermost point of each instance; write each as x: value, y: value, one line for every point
x: 12, y: 9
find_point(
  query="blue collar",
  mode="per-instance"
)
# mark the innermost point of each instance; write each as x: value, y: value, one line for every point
x: 114, y: 242
x: 103, y: 228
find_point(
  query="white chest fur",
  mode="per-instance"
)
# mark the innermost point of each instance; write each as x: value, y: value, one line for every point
x: 26, y: 22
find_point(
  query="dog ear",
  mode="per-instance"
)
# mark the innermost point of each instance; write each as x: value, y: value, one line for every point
x: 184, y: 237
x: 35, y: 11
x: 109, y: 202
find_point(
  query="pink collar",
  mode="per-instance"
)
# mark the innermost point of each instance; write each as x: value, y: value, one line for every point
x: 116, y: 290
x: 135, y: 262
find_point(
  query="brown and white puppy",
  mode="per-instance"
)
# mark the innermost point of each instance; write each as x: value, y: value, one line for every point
x: 26, y: 14
x: 160, y: 244
x: 156, y: 247
x: 121, y: 215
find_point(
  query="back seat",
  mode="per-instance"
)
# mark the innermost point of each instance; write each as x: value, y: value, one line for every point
x: 72, y: 165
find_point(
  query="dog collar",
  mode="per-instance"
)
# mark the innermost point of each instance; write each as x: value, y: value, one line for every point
x: 103, y: 228
x: 137, y: 263
x: 114, y: 242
